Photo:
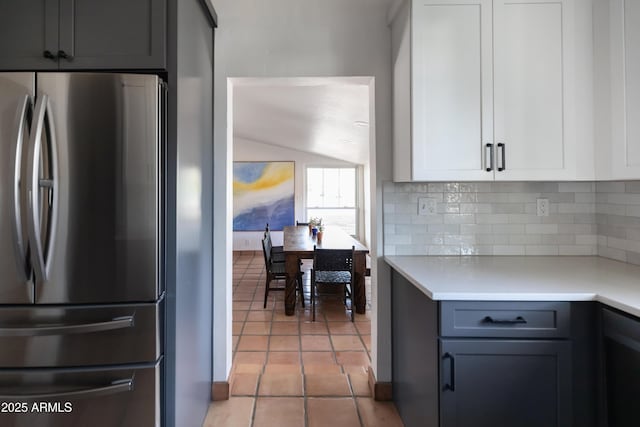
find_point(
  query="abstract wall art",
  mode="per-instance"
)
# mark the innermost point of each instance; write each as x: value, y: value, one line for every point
x: 263, y: 192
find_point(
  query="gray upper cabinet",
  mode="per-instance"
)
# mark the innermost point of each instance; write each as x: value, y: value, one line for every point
x: 28, y: 29
x: 114, y: 34
x: 83, y: 34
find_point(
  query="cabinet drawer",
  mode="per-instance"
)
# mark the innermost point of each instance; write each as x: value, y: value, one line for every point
x: 506, y: 319
x: 43, y: 336
x: 124, y: 396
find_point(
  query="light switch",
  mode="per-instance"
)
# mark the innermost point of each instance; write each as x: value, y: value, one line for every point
x: 426, y: 206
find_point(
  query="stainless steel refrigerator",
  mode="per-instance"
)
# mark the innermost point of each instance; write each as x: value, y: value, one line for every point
x: 81, y: 232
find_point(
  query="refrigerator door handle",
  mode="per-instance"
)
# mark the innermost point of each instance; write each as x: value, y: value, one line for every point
x: 82, y: 328
x: 118, y: 386
x: 25, y: 111
x: 42, y: 122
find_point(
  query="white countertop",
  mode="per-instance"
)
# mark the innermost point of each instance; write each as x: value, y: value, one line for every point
x: 524, y: 278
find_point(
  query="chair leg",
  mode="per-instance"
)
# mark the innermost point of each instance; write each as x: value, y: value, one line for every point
x: 313, y: 300
x: 348, y: 293
x: 352, y: 310
x: 301, y: 288
x: 266, y: 290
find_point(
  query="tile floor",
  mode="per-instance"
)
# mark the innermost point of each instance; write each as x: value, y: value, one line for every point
x: 291, y: 372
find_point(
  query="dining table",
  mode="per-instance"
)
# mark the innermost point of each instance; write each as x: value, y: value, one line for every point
x: 299, y: 243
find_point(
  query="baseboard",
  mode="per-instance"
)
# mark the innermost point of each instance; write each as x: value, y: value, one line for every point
x: 220, y: 390
x: 380, y: 391
x: 247, y: 252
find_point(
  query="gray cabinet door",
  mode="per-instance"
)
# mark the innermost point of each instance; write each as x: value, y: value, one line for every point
x: 489, y: 383
x: 114, y: 34
x: 621, y: 359
x: 28, y: 28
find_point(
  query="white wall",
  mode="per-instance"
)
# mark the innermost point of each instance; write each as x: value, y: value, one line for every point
x: 246, y: 150
x: 300, y: 38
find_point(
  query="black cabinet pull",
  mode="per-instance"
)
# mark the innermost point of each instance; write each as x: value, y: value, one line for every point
x: 451, y: 385
x: 502, y: 148
x: 62, y: 54
x: 488, y: 157
x: 47, y: 54
x: 517, y: 320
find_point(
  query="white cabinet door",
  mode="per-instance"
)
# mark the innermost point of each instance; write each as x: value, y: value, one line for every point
x: 533, y: 65
x: 625, y: 88
x: 451, y: 89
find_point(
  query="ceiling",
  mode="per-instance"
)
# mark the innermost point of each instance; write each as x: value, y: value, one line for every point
x: 326, y: 116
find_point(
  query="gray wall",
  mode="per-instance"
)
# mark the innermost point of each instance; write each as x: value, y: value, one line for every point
x: 189, y: 220
x: 499, y: 218
x: 301, y: 38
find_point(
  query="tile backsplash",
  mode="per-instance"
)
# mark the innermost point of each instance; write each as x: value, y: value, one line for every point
x: 618, y: 220
x: 499, y: 218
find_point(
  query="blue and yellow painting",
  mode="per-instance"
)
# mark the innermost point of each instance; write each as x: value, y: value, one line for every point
x: 263, y: 192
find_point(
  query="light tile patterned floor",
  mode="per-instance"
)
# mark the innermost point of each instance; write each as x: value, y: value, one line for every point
x: 291, y: 372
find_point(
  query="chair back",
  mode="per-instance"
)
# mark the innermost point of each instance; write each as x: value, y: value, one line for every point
x: 301, y: 223
x: 333, y: 259
x: 266, y: 250
x: 268, y: 243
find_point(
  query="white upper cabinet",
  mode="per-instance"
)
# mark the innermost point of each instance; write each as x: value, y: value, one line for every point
x: 533, y: 88
x: 624, y: 80
x: 493, y: 91
x: 451, y: 89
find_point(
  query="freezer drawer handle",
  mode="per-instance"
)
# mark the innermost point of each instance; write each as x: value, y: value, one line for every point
x: 115, y: 323
x: 115, y: 387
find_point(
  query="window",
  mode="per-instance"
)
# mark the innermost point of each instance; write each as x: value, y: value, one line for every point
x: 332, y: 196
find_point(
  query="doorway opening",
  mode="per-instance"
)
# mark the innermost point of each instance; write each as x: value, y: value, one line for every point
x: 325, y: 127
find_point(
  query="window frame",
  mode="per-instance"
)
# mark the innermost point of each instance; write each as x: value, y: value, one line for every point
x: 358, y: 182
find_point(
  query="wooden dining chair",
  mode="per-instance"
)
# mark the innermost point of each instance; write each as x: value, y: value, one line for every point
x: 333, y: 267
x: 276, y: 271
x: 274, y: 249
x: 276, y: 255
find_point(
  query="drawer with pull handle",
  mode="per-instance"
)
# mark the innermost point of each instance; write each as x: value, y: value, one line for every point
x: 64, y: 336
x: 106, y: 396
x: 505, y: 319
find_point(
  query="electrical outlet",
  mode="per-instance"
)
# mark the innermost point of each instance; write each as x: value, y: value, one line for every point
x: 543, y: 207
x: 426, y: 206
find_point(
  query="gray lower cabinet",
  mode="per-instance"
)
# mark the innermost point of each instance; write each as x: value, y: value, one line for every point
x: 415, y: 355
x: 492, y: 363
x: 621, y: 366
x: 82, y: 34
x: 487, y: 383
